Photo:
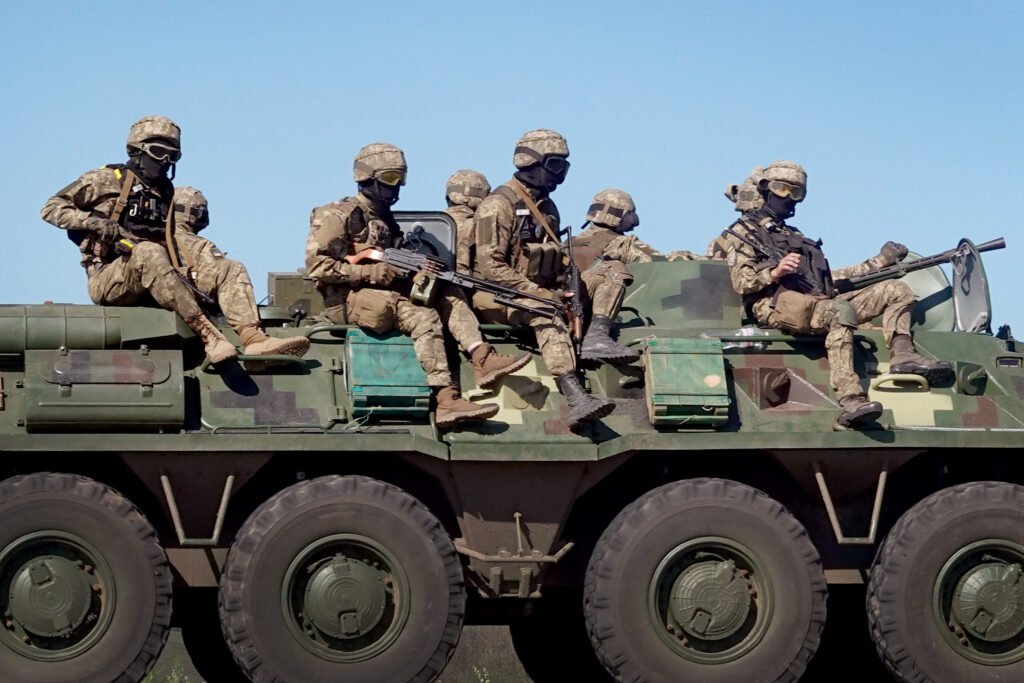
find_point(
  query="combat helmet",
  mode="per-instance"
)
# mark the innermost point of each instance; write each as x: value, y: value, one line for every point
x: 467, y: 187
x: 536, y: 144
x: 149, y: 127
x: 191, y: 210
x: 786, y: 171
x: 609, y: 206
x: 376, y: 158
x: 745, y: 196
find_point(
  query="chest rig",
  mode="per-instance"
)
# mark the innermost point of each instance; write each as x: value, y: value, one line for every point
x: 535, y: 252
x: 813, y: 277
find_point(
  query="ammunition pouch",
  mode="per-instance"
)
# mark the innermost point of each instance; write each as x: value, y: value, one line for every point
x: 373, y: 309
x: 424, y: 289
x: 541, y: 262
x: 845, y: 313
x: 792, y: 311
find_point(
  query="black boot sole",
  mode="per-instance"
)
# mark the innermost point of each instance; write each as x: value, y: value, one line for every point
x: 613, y: 358
x: 605, y: 408
x: 851, y: 420
x: 934, y: 375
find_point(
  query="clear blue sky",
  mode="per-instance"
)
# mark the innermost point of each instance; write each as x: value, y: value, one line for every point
x: 907, y: 115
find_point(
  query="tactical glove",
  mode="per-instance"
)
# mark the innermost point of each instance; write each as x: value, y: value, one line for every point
x: 378, y: 274
x: 892, y: 252
x: 107, y: 229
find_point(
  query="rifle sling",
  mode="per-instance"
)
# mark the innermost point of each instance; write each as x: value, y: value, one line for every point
x: 122, y: 198
x: 532, y: 206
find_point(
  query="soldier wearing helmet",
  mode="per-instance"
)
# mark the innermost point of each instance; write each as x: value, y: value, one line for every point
x: 375, y: 297
x: 463, y: 192
x: 120, y: 217
x: 797, y: 293
x: 518, y: 246
x: 224, y: 279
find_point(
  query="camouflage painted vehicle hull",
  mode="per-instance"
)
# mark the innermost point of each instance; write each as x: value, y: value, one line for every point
x: 691, y: 534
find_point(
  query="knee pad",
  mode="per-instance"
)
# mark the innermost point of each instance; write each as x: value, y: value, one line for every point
x: 844, y: 313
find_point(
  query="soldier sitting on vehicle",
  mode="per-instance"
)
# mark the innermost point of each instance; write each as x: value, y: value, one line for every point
x: 518, y: 246
x: 797, y: 293
x: 463, y: 192
x: 121, y: 218
x: 376, y: 297
x: 224, y: 279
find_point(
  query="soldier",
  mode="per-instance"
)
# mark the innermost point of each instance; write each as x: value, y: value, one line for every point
x: 602, y: 252
x: 517, y: 246
x: 120, y: 218
x: 463, y: 192
x: 224, y: 279
x: 797, y: 294
x: 370, y: 296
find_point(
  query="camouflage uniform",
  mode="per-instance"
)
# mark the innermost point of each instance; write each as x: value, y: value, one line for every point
x: 224, y: 279
x: 342, y: 228
x: 464, y: 191
x: 501, y: 257
x: 892, y: 299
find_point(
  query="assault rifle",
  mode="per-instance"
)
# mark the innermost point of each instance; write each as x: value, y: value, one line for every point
x: 900, y: 269
x: 430, y: 269
x: 774, y: 256
x: 574, y: 285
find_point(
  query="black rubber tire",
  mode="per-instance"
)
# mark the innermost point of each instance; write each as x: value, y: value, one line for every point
x: 645, y: 532
x: 250, y: 589
x: 128, y: 543
x: 899, y: 596
x: 555, y: 649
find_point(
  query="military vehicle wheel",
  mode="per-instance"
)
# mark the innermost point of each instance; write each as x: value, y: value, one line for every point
x: 85, y: 589
x: 342, y: 578
x: 705, y: 580
x: 946, y: 597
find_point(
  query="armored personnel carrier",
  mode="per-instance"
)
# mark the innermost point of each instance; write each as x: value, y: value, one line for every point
x: 315, y: 516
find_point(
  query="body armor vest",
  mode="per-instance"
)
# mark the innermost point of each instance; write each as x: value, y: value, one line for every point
x: 533, y: 254
x: 587, y: 250
x: 814, y: 276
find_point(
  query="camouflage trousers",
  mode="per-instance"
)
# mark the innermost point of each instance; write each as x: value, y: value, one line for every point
x: 227, y: 281
x: 552, y: 335
x: 606, y: 283
x: 146, y: 269
x: 382, y: 310
x: 892, y: 299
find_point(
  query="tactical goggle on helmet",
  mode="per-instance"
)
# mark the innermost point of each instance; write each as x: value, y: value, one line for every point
x: 787, y: 190
x: 390, y: 177
x: 161, y: 151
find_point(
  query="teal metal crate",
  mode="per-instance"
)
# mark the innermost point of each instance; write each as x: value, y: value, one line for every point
x: 684, y: 382
x: 383, y: 376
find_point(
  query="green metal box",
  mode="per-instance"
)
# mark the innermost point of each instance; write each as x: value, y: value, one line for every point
x: 684, y: 382
x: 383, y: 376
x: 142, y: 390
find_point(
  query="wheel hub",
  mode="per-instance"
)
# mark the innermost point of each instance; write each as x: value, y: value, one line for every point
x: 50, y: 596
x: 711, y: 599
x: 346, y: 598
x: 988, y: 601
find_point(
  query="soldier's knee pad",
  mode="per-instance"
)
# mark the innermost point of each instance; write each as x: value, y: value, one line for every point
x: 844, y: 313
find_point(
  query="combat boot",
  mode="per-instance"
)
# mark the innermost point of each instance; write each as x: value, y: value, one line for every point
x: 905, y: 360
x: 599, y: 345
x: 582, y: 406
x: 857, y: 409
x: 451, y: 408
x: 258, y: 343
x: 489, y: 366
x: 218, y: 348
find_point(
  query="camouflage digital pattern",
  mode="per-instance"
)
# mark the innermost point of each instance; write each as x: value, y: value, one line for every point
x: 227, y: 280
x: 536, y: 144
x: 116, y: 279
x: 378, y: 156
x: 892, y: 299
x: 335, y: 230
x: 464, y: 191
x: 498, y: 252
x: 149, y: 127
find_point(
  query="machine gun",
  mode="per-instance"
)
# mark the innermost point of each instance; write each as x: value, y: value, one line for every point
x: 900, y: 269
x: 429, y: 269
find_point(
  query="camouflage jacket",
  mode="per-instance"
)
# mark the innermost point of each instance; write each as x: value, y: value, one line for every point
x: 465, y: 236
x: 750, y: 272
x: 95, y: 193
x: 600, y: 243
x: 343, y: 228
x: 500, y: 229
